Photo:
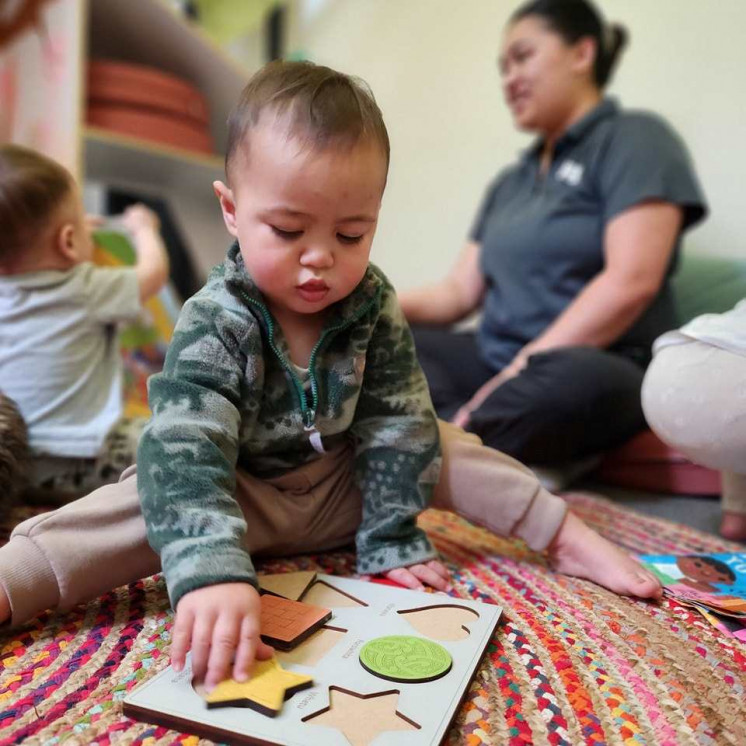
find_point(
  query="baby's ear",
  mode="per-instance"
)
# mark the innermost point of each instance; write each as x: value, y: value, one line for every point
x: 65, y: 243
x: 227, y: 206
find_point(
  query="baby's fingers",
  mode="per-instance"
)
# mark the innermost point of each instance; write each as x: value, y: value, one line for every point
x: 429, y: 576
x: 222, y: 650
x: 440, y: 568
x: 201, y: 644
x: 181, y: 638
x: 94, y: 221
x: 250, y: 648
x: 404, y: 577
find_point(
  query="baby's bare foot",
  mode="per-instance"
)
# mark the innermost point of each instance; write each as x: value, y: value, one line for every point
x: 578, y: 550
x: 733, y: 526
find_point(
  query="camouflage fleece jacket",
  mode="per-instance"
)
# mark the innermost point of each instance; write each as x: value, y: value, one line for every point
x: 229, y: 397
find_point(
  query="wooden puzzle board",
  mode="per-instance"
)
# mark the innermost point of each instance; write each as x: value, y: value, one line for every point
x: 169, y: 699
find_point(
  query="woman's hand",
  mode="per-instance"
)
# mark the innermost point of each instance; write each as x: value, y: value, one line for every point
x: 519, y: 362
x: 220, y: 624
x: 462, y: 417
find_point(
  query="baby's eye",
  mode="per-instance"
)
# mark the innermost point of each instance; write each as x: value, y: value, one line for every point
x: 287, y: 235
x: 348, y: 239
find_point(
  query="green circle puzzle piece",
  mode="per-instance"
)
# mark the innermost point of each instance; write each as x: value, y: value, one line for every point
x: 405, y: 658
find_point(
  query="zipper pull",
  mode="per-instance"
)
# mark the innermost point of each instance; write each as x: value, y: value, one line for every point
x: 314, y: 436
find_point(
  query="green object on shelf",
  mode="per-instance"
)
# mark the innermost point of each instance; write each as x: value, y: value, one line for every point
x: 227, y: 20
x: 405, y: 658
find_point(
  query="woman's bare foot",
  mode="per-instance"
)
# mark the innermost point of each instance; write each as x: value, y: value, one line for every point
x: 578, y: 550
x: 733, y: 526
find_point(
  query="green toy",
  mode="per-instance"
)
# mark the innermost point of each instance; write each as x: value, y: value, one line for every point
x: 405, y: 658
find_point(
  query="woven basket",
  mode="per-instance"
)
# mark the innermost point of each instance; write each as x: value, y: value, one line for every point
x: 147, y: 103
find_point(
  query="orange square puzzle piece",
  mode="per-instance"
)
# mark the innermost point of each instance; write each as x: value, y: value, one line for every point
x: 285, y: 624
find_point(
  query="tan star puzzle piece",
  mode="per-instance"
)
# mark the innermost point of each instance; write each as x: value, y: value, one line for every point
x: 269, y: 686
x: 361, y: 718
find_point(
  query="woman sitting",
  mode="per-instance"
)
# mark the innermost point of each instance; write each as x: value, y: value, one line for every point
x: 569, y: 255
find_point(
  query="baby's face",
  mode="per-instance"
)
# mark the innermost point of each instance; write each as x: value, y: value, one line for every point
x: 304, y: 218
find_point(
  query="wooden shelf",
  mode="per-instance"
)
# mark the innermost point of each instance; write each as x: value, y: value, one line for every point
x: 51, y: 94
x: 116, y: 158
x: 151, y: 32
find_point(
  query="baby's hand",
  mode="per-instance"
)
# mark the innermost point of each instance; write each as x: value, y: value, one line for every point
x: 220, y: 623
x: 93, y: 223
x: 137, y: 218
x: 432, y: 573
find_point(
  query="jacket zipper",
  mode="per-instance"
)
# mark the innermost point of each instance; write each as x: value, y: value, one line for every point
x: 308, y: 413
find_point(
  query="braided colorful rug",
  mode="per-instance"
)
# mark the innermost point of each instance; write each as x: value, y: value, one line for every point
x: 570, y: 663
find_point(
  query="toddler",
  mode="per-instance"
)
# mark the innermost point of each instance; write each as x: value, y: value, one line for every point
x: 694, y: 398
x: 291, y: 415
x: 59, y: 357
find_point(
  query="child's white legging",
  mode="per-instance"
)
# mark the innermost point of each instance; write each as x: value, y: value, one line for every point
x: 694, y: 398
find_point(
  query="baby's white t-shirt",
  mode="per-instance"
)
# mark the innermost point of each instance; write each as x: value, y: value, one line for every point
x: 59, y: 353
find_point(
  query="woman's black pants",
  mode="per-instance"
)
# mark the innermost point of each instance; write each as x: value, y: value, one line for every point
x: 565, y: 405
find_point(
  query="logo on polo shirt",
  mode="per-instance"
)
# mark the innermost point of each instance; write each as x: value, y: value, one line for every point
x: 570, y: 172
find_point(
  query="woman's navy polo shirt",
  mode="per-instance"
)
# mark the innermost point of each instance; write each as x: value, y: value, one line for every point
x: 542, y: 237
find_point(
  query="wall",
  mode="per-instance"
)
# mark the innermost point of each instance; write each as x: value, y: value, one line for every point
x: 39, y: 83
x: 432, y: 66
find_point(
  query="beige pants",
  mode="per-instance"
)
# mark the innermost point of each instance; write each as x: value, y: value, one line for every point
x: 98, y: 543
x: 694, y: 398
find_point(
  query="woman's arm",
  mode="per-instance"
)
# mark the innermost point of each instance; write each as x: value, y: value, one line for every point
x: 638, y: 245
x: 453, y: 298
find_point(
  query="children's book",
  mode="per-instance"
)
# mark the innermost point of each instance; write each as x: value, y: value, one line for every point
x: 713, y: 584
x: 144, y: 342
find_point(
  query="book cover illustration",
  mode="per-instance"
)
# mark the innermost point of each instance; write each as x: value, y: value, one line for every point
x: 714, y: 584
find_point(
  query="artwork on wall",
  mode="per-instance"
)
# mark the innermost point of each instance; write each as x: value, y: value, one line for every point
x: 42, y: 39
x: 19, y: 16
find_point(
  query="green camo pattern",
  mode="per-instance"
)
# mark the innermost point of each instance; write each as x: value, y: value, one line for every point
x: 227, y: 396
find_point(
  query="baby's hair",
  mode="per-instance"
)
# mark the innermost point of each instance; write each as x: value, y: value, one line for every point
x: 14, y: 451
x: 32, y: 188
x: 715, y: 564
x: 320, y: 106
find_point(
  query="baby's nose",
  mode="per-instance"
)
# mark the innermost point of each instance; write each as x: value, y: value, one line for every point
x: 318, y: 256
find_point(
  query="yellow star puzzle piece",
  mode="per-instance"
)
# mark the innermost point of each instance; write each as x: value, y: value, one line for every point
x: 269, y: 686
